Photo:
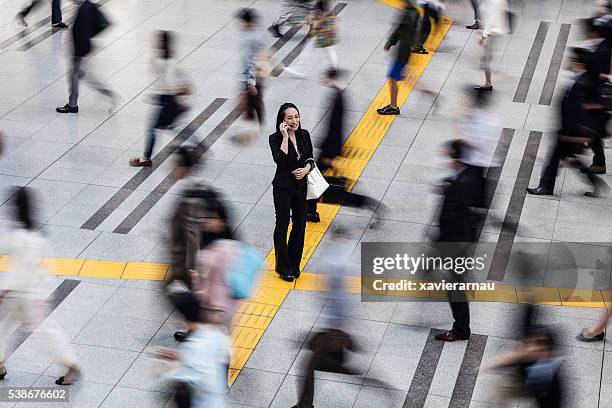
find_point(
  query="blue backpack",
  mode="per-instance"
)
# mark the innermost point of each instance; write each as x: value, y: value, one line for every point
x: 244, y: 271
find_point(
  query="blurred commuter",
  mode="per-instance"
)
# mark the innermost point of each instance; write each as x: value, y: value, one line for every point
x: 56, y: 13
x: 325, y: 31
x: 599, y: 42
x: 576, y: 128
x: 186, y: 230
x: 89, y: 22
x: 403, y: 38
x: 457, y: 227
x: 332, y: 144
x: 292, y: 152
x: 209, y: 280
x: 199, y: 367
x: 251, y: 48
x: 476, y: 7
x: 171, y: 86
x: 293, y: 12
x: 22, y: 292
x: 330, y: 345
x: 479, y: 128
x: 496, y: 26
x: 432, y: 10
x: 534, y: 369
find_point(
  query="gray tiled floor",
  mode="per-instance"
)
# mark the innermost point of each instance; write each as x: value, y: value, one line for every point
x: 76, y: 163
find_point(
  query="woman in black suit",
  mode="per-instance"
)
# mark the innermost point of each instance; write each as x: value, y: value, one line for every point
x: 292, y: 153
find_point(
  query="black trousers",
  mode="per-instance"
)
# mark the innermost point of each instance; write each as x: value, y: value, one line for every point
x: 429, y: 13
x: 56, y: 10
x: 289, y: 202
x: 562, y: 151
x: 600, y: 120
x: 255, y: 105
x: 168, y: 112
x: 460, y: 310
x: 328, y: 356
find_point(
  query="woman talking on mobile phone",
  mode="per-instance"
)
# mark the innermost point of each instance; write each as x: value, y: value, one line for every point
x: 292, y: 152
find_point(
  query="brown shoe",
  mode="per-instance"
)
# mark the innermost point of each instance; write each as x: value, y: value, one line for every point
x: 451, y: 336
x: 598, y: 169
x: 2, y: 371
x: 139, y: 162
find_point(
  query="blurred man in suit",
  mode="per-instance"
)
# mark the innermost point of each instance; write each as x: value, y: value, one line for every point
x: 576, y: 128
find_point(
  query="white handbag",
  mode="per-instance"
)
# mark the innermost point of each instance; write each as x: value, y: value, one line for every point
x: 316, y: 184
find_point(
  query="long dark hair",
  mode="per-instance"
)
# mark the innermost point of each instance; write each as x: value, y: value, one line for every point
x: 165, y: 39
x: 23, y: 198
x: 280, y: 117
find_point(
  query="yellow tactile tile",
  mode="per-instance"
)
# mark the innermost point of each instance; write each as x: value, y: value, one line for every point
x: 233, y: 374
x: 541, y: 296
x: 270, y: 296
x: 240, y: 356
x: 311, y: 281
x: 62, y: 266
x: 102, y: 269
x: 145, y: 271
x: 5, y: 263
x: 502, y: 293
x: 251, y: 321
x: 245, y: 337
x: 581, y: 297
x: 257, y: 309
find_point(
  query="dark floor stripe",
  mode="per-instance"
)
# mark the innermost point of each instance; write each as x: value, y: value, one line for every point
x: 145, y: 206
x: 532, y: 61
x: 297, y: 50
x: 499, y: 263
x: 494, y: 173
x: 120, y: 196
x: 31, y: 28
x: 55, y: 299
x: 421, y: 382
x: 37, y: 40
x: 468, y: 372
x: 497, y: 270
x: 555, y: 65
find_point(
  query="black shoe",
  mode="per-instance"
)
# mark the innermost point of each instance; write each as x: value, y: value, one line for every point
x: 484, y: 88
x: 475, y: 26
x: 61, y: 24
x: 598, y: 169
x: 274, y: 29
x: 582, y: 337
x: 21, y: 20
x: 297, y: 273
x: 181, y: 336
x: 420, y: 50
x: 67, y: 109
x: 388, y: 110
x: 539, y: 191
x: 314, y: 217
x: 451, y: 336
x: 2, y: 372
x: 286, y: 278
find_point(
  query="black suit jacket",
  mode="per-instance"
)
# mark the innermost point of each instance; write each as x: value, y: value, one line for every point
x: 287, y: 162
x: 457, y: 219
x: 573, y: 118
